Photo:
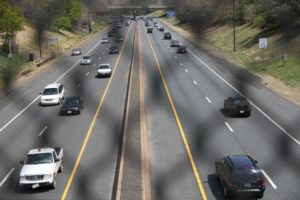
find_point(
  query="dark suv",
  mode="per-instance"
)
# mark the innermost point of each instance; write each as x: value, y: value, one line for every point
x: 167, y: 36
x: 237, y: 106
x: 240, y: 174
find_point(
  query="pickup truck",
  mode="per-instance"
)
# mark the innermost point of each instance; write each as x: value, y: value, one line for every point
x: 41, y: 167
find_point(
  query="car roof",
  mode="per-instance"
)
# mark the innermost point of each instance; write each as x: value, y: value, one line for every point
x: 74, y: 97
x: 104, y: 64
x: 40, y: 150
x: 53, y: 85
x: 241, y: 161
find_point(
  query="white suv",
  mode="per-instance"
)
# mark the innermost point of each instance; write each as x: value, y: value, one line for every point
x: 52, y: 94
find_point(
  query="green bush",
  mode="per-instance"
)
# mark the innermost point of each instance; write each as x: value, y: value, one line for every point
x: 259, y: 21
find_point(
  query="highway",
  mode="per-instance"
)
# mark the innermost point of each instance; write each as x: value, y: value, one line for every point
x: 151, y: 131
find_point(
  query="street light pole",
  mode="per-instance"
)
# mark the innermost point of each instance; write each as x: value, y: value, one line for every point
x: 233, y: 23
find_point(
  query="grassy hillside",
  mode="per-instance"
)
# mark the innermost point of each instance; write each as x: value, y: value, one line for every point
x: 250, y: 55
x: 11, y: 69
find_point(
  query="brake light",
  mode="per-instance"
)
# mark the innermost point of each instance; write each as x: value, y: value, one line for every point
x: 230, y: 183
x: 263, y: 183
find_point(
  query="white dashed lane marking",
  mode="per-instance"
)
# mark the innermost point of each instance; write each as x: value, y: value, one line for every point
x: 229, y: 127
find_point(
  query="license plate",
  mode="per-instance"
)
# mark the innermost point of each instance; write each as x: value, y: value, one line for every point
x: 247, y: 184
x: 242, y: 111
x: 35, y: 186
x: 69, y: 112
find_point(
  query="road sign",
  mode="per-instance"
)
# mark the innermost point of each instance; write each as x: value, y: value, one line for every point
x: 171, y: 13
x: 263, y: 43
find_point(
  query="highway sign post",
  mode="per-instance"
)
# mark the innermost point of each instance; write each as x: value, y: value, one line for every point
x: 263, y: 44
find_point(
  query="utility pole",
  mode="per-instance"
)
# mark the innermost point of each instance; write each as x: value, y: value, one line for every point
x: 233, y: 23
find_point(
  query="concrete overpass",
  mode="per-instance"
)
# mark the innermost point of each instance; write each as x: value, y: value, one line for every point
x: 137, y: 7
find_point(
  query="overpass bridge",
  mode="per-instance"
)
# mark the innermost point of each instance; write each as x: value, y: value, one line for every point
x: 137, y: 7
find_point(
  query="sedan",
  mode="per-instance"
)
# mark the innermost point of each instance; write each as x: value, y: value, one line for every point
x: 161, y: 28
x: 76, y: 52
x: 113, y: 50
x: 175, y: 43
x: 239, y: 174
x: 181, y: 49
x: 104, y: 40
x: 119, y: 38
x: 104, y: 70
x: 71, y: 105
x: 167, y: 36
x: 86, y: 60
x: 237, y: 106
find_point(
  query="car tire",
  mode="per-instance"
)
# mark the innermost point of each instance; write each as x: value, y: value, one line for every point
x: 61, y: 168
x: 53, y: 185
x: 227, y: 193
x: 229, y: 113
x: 260, y: 195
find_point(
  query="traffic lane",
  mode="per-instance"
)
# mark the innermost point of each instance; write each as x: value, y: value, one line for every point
x: 63, y: 128
x: 167, y: 153
x: 285, y: 114
x: 13, y: 103
x: 196, y: 116
x: 262, y: 141
x: 56, y: 111
x: 196, y: 104
x: 94, y: 176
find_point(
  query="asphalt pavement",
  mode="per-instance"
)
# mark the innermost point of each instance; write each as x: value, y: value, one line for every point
x: 173, y: 119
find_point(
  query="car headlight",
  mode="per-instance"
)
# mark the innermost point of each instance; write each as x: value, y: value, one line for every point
x: 48, y: 176
x: 22, y: 178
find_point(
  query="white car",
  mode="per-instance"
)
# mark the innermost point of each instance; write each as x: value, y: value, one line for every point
x: 76, y: 52
x: 52, y: 94
x: 104, y: 40
x: 104, y: 70
x: 41, y: 167
x: 86, y: 60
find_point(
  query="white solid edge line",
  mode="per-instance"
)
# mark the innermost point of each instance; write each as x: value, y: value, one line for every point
x: 255, y: 106
x: 195, y: 82
x: 43, y: 130
x: 269, y: 180
x: 7, y: 176
x: 207, y: 99
x: 24, y: 109
x: 229, y: 127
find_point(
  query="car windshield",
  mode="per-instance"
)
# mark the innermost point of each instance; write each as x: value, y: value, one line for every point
x: 240, y: 102
x: 71, y: 101
x: 50, y: 91
x: 103, y: 67
x: 41, y: 158
x: 86, y: 57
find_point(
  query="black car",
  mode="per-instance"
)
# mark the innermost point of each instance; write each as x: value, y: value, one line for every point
x: 237, y: 106
x: 161, y: 28
x: 119, y: 38
x: 181, y: 49
x: 110, y: 33
x: 71, y: 105
x: 149, y: 29
x: 113, y: 50
x: 239, y: 174
x: 167, y: 36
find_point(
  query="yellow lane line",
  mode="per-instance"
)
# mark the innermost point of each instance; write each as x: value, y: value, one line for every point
x: 179, y: 124
x: 83, y: 147
x: 146, y: 188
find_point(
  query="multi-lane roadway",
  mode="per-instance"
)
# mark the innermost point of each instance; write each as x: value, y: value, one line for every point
x: 153, y: 130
